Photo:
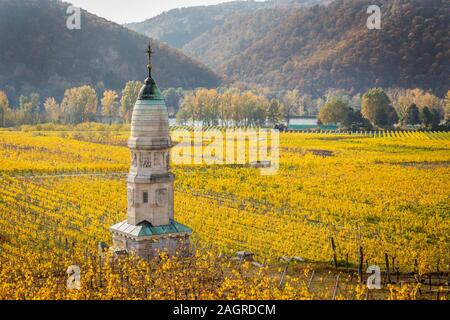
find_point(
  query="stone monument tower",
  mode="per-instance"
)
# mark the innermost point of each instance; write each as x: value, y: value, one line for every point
x: 150, y: 226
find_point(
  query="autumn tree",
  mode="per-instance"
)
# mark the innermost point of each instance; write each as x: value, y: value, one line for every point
x: 110, y: 105
x: 229, y: 101
x: 4, y: 108
x: 212, y: 107
x: 79, y: 104
x: 447, y: 106
x: 201, y: 105
x: 274, y: 112
x: 208, y: 106
x: 291, y: 103
x: 253, y: 109
x: 188, y: 108
x: 306, y: 105
x: 30, y: 111
x: 129, y: 96
x: 402, y: 99
x: 52, y: 110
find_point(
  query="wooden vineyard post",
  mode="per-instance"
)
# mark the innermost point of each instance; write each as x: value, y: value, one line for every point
x: 416, y: 274
x: 448, y: 257
x: 346, y: 262
x: 310, y: 280
x: 430, y: 282
x: 100, y: 271
x: 336, y: 287
x: 360, y: 264
x: 333, y: 248
x: 416, y: 267
x: 360, y: 257
x: 388, y: 276
x: 283, y: 275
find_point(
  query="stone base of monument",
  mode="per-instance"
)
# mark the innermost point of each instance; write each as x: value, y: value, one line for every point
x: 148, y: 241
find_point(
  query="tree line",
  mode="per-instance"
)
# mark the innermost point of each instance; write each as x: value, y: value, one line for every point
x: 376, y: 108
x: 78, y: 105
x: 386, y: 110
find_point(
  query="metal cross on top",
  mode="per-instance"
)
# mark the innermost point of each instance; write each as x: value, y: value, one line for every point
x: 149, y: 66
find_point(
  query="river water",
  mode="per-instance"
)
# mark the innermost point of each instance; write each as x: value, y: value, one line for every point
x: 296, y: 121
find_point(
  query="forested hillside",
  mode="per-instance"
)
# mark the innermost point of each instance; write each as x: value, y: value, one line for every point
x: 39, y: 53
x: 330, y: 47
x: 317, y: 48
x: 179, y: 27
x: 223, y: 44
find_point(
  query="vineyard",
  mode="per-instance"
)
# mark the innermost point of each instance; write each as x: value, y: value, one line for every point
x: 385, y: 193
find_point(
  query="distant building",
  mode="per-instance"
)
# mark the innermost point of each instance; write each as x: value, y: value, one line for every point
x: 150, y: 226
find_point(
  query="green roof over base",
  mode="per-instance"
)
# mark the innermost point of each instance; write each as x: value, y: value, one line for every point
x: 145, y: 229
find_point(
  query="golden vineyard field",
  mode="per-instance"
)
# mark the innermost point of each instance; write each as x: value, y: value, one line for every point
x: 387, y: 193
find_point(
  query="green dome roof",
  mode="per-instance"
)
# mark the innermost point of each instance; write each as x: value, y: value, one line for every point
x: 150, y: 91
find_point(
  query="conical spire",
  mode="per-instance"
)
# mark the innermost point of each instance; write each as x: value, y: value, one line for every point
x: 150, y: 91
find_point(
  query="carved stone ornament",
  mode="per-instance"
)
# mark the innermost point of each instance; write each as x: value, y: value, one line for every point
x: 161, y: 197
x: 158, y: 159
x: 146, y: 161
x: 130, y: 196
x: 134, y: 159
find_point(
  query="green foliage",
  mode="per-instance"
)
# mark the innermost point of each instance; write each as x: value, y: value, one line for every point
x: 173, y: 97
x: 435, y: 120
x: 357, y: 122
x: 426, y: 117
x: 376, y: 107
x: 337, y: 111
x: 413, y: 115
x: 334, y: 112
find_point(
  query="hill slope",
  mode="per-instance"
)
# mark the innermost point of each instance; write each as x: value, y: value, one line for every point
x: 322, y: 47
x: 40, y: 54
x: 178, y: 27
x: 331, y: 47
